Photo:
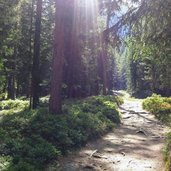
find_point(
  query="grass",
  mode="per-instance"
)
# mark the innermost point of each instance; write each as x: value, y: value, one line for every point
x: 161, y: 108
x: 32, y: 139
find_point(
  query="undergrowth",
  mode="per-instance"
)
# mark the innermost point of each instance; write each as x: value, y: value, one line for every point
x: 167, y: 152
x: 161, y: 108
x: 31, y: 139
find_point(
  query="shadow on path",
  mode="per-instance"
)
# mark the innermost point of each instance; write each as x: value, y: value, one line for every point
x: 136, y: 145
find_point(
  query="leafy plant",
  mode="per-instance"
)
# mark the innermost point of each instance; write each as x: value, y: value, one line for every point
x: 33, y: 138
x: 167, y: 151
x: 159, y: 106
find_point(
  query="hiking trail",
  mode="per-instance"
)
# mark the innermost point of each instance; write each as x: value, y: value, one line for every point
x: 135, y: 145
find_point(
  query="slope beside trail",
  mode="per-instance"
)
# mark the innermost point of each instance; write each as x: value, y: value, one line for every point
x: 136, y: 145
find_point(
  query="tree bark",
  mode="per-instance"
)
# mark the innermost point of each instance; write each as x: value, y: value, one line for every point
x: 30, y: 52
x: 104, y: 72
x: 55, y: 105
x: 36, y: 56
x: 10, y: 88
x: 104, y: 55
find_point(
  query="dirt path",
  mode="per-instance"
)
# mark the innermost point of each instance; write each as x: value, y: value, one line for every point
x: 136, y: 145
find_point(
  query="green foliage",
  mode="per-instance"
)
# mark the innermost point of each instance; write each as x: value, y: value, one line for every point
x: 20, y: 166
x: 147, y: 57
x: 29, y: 140
x: 10, y: 104
x: 153, y: 103
x: 5, y: 161
x: 160, y: 106
x: 167, y: 151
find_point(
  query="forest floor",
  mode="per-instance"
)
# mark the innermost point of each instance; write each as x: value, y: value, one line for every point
x: 135, y: 145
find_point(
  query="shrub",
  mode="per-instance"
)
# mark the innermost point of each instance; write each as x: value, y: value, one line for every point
x: 168, y: 100
x: 5, y: 161
x: 112, y: 114
x: 21, y: 166
x: 34, y: 138
x: 10, y: 104
x: 167, y: 152
x: 153, y: 103
x: 159, y: 106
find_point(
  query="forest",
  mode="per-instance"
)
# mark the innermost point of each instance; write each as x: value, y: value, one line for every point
x: 73, y: 71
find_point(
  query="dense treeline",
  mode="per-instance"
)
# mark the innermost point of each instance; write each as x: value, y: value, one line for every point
x: 19, y: 46
x: 26, y: 49
x: 147, y: 49
x: 100, y: 49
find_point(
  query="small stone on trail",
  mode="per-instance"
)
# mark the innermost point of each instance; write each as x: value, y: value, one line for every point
x: 127, y: 117
x: 143, y: 140
x: 133, y: 126
x: 123, y: 153
x: 99, y: 156
x: 157, y: 137
x: 148, y: 166
x: 130, y: 161
x: 141, y: 132
x: 109, y: 151
x: 123, y: 112
x: 88, y: 167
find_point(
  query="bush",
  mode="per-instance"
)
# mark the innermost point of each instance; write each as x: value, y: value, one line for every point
x: 168, y: 100
x: 111, y: 114
x: 10, y: 104
x: 34, y: 138
x: 5, y: 161
x: 167, y: 152
x: 21, y: 166
x: 159, y: 106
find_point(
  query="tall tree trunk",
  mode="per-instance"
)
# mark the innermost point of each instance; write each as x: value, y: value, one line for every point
x: 133, y: 67
x: 168, y: 80
x: 104, y: 55
x: 10, y: 87
x: 30, y: 51
x: 74, y: 81
x: 153, y: 75
x: 36, y: 56
x: 17, y: 87
x: 11, y: 76
x: 55, y: 105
